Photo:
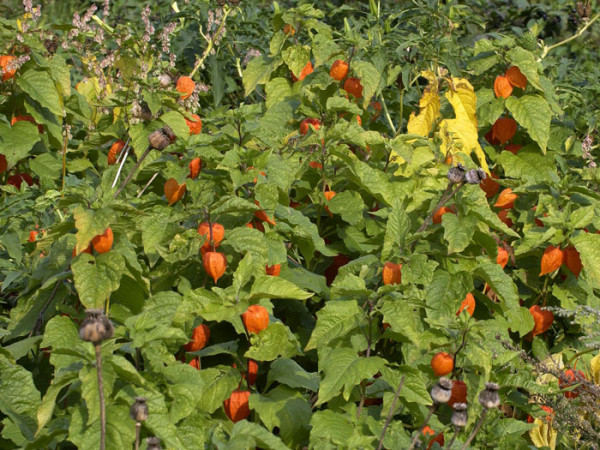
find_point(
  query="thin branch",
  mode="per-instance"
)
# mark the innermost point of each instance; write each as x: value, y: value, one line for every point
x: 124, y: 155
x: 390, y: 413
x: 474, y: 432
x: 98, y: 347
x: 147, y: 184
x: 569, y: 39
x: 130, y: 176
x: 432, y: 409
x: 40, y: 320
x: 211, y: 43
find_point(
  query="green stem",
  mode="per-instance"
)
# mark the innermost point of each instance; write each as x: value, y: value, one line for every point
x: 477, y: 427
x: 390, y: 413
x: 569, y: 39
x: 387, y: 114
x: 97, y: 348
x: 211, y: 43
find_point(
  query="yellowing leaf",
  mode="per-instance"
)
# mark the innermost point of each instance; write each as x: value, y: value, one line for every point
x: 552, y: 362
x: 544, y: 435
x: 460, y: 133
x: 429, y: 112
x: 595, y: 369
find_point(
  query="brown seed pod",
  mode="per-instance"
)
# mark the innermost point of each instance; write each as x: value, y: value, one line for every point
x: 96, y: 327
x: 139, y: 410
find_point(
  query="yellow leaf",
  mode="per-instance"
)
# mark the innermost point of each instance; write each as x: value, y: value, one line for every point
x: 544, y: 435
x: 595, y: 369
x: 552, y: 362
x: 429, y: 112
x: 460, y: 133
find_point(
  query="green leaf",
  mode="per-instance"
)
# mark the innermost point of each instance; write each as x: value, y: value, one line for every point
x: 46, y: 408
x: 343, y: 368
x: 244, y: 239
x: 218, y: 383
x: 258, y: 71
x: 528, y: 165
x: 17, y: 141
x: 89, y: 224
x: 120, y: 429
x: 458, y: 232
x: 286, y: 409
x: 273, y: 342
x: 19, y: 398
x: 370, y: 78
x: 330, y: 429
x: 267, y: 286
x: 414, y: 387
x: 335, y: 320
x: 348, y: 205
x: 290, y: 373
x: 61, y: 333
x: 533, y: 113
x: 40, y: 87
x: 251, y: 435
x: 278, y: 90
x: 526, y: 62
x: 96, y: 278
x: 89, y: 388
x: 296, y: 57
x: 588, y: 246
x: 396, y: 230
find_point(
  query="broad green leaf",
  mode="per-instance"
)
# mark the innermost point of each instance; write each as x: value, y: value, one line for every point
x: 40, y: 87
x: 61, y: 333
x: 89, y: 224
x: 286, y: 409
x: 273, y: 342
x: 533, y: 113
x: 219, y: 383
x: 267, y: 286
x: 588, y: 246
x: 343, y: 370
x: 17, y: 141
x: 348, y: 205
x: 89, y: 388
x: 527, y: 64
x: 258, y: 71
x: 290, y: 373
x: 370, y: 78
x: 296, y: 57
x: 335, y: 320
x: 96, y: 278
x: 396, y: 230
x: 46, y: 408
x: 120, y: 429
x: 19, y: 398
x: 251, y: 435
x: 278, y: 90
x: 458, y: 232
x: 330, y: 429
x: 528, y: 165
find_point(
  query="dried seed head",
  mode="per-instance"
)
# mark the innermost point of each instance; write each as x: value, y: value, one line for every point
x: 164, y: 80
x: 96, y: 327
x: 139, y: 410
x: 442, y: 391
x: 459, y: 415
x: 456, y: 174
x: 160, y: 139
x: 475, y: 176
x: 489, y: 397
x: 153, y: 443
x: 145, y: 113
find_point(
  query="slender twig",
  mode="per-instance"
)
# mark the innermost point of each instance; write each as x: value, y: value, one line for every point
x: 447, y: 195
x: 98, y: 347
x: 138, y: 427
x: 390, y: 413
x: 64, y: 160
x: 456, y: 431
x: 124, y: 154
x: 475, y: 430
x: 462, y: 344
x: 569, y: 39
x: 211, y: 42
x: 368, y: 353
x: 387, y: 114
x: 130, y: 176
x: 40, y: 320
x: 432, y: 409
x: 147, y: 184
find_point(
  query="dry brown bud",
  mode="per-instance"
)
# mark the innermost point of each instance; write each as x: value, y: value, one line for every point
x: 139, y: 410
x: 96, y: 327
